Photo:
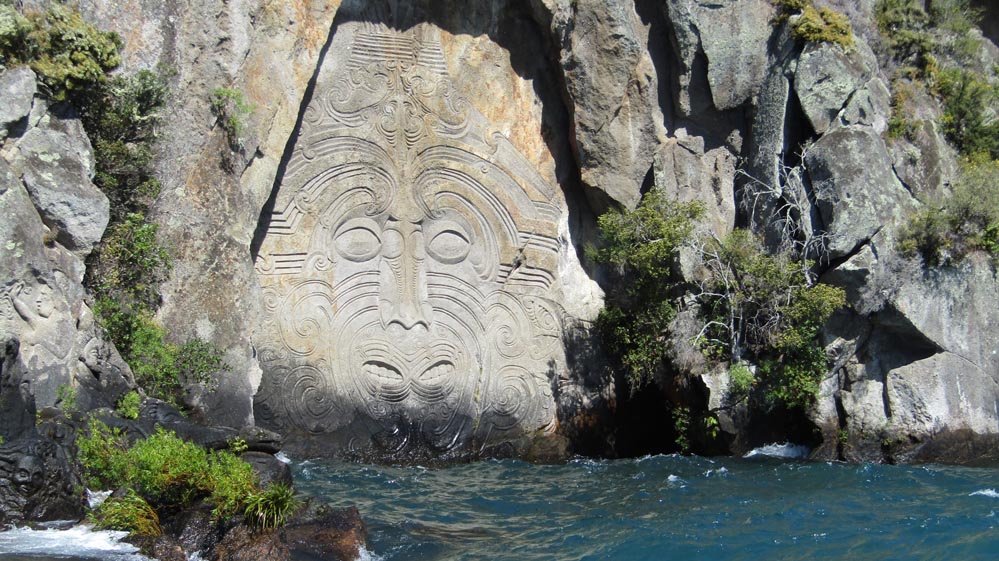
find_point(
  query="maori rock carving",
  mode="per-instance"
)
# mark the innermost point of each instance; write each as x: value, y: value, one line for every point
x: 408, y: 269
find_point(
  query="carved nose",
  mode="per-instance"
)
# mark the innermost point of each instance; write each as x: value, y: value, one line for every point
x: 403, y: 289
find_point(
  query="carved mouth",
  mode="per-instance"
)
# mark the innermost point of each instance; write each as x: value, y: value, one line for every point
x: 391, y: 383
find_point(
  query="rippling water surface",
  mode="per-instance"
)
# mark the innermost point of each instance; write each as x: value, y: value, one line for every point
x: 661, y: 508
x: 669, y: 507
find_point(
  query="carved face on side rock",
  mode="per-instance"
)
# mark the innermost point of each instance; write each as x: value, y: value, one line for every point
x: 408, y: 268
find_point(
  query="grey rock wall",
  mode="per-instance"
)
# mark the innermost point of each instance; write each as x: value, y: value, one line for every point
x: 583, y: 104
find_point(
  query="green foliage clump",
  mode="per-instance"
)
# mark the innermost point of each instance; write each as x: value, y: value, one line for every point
x: 168, y: 472
x: 128, y: 405
x: 813, y: 25
x: 161, y: 368
x: 823, y: 26
x: 231, y: 110
x: 130, y: 513
x: 271, y: 507
x: 121, y: 117
x: 947, y: 230
x: 67, y: 54
x: 764, y: 308
x: 66, y: 398
x: 103, y: 452
x: 969, y: 104
x: 131, y: 264
x: 642, y: 247
x: 906, y: 28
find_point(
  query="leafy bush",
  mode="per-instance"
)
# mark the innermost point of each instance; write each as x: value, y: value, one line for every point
x: 970, y: 106
x: 764, y: 308
x: 167, y: 471
x: 823, y: 26
x: 128, y: 405
x: 68, y: 54
x: 231, y: 111
x: 906, y: 26
x: 121, y: 117
x: 161, y: 368
x: 642, y: 247
x: 130, y: 513
x: 66, y: 398
x: 131, y: 264
x: 271, y: 507
x: 103, y: 452
x: 947, y: 230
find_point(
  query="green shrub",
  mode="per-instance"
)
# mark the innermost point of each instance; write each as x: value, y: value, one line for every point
x: 271, y: 507
x: 121, y: 117
x: 970, y: 106
x: 230, y: 482
x: 66, y: 398
x: 164, y: 471
x: 130, y: 513
x: 131, y: 264
x: 231, y: 111
x: 763, y: 307
x: 823, y: 26
x: 947, y: 230
x: 641, y: 246
x: 906, y: 28
x: 67, y: 54
x: 161, y: 368
x: 741, y: 380
x: 128, y: 405
x: 103, y: 453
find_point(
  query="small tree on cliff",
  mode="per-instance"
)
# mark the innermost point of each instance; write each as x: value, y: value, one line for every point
x: 765, y: 309
x: 642, y: 246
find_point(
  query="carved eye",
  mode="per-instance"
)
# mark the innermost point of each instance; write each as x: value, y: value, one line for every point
x: 357, y: 239
x: 449, y: 246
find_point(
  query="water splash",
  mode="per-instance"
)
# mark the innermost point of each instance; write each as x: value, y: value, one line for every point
x: 786, y: 451
x: 78, y: 542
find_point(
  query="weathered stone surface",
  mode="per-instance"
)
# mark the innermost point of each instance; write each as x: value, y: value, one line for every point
x: 243, y: 544
x: 825, y: 78
x: 38, y: 479
x: 328, y: 533
x: 855, y: 190
x: 42, y: 307
x: 924, y: 161
x: 869, y: 106
x: 17, y: 89
x: 612, y: 83
x: 408, y: 267
x: 688, y: 172
x: 268, y: 468
x: 56, y: 168
x: 732, y: 37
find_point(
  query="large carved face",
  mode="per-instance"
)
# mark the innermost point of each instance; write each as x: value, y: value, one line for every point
x: 408, y: 267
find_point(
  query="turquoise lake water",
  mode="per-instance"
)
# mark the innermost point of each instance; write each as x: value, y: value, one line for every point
x: 654, y: 508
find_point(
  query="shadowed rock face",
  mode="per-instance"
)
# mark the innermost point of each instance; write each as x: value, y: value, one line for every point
x: 409, y: 267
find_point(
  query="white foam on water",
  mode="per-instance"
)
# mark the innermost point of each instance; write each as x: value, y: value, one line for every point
x: 786, y: 450
x: 365, y: 555
x: 992, y: 493
x: 78, y: 541
x: 282, y: 457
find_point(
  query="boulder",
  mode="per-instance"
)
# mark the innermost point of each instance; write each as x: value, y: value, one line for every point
x: 328, y: 533
x: 56, y: 168
x: 731, y: 37
x: 17, y: 89
x: 855, y: 190
x: 244, y: 544
x: 825, y: 79
x: 612, y: 86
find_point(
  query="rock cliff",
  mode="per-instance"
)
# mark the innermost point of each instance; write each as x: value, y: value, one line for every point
x: 390, y: 251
